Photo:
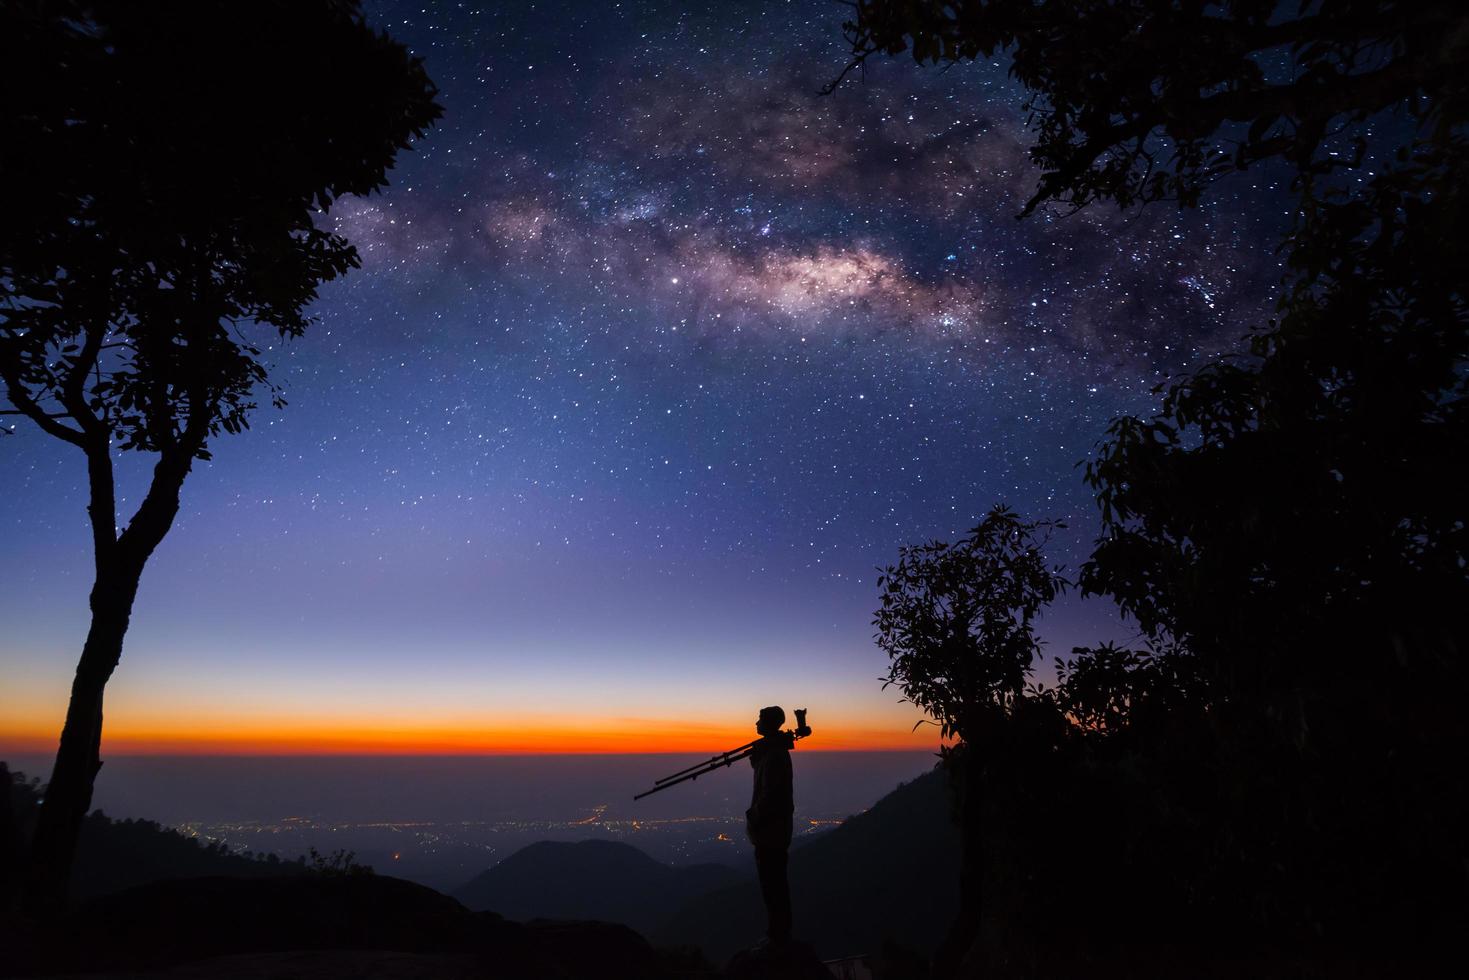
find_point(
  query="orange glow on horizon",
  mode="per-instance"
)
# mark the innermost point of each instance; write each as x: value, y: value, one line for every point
x: 611, y: 737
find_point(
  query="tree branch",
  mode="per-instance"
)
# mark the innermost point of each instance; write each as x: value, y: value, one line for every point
x: 27, y: 406
x: 73, y: 389
x: 1367, y: 91
x: 160, y: 506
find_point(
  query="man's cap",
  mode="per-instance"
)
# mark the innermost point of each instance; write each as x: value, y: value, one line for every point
x: 773, y: 713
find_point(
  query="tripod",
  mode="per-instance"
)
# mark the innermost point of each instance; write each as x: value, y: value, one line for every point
x: 723, y: 760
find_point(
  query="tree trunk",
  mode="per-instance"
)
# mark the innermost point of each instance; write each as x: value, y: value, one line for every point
x: 78, y: 759
x: 10, y: 845
x: 119, y: 561
x: 948, y: 961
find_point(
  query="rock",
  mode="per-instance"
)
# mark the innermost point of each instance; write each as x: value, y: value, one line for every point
x: 793, y: 960
x: 604, y: 950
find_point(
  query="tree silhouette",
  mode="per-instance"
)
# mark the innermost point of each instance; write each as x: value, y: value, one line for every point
x: 172, y: 162
x: 1143, y: 100
x: 1289, y: 529
x: 957, y: 623
x: 1292, y: 522
x: 1341, y: 446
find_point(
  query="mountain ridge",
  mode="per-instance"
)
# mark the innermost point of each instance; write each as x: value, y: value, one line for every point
x: 590, y: 879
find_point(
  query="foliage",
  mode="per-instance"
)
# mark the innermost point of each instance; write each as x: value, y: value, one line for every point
x: 1106, y: 690
x: 1143, y: 100
x: 1291, y: 526
x: 174, y: 176
x: 957, y: 620
x: 1311, y: 496
x: 337, y: 864
x: 1280, y: 764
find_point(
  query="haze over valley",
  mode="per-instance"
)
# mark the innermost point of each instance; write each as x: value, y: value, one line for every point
x: 440, y: 820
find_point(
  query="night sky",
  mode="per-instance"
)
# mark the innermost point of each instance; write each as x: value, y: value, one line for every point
x: 654, y: 356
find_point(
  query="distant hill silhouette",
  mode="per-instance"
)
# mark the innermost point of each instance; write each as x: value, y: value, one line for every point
x: 888, y: 874
x: 118, y: 854
x: 591, y: 879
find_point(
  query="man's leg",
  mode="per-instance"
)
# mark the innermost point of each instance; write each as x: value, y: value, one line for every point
x: 770, y: 864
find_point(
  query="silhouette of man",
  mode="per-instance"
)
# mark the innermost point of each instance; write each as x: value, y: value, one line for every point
x: 768, y: 821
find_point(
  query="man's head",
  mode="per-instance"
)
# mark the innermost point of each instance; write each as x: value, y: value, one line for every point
x: 771, y: 719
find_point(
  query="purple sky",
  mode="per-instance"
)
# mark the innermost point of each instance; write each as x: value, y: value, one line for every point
x: 654, y: 356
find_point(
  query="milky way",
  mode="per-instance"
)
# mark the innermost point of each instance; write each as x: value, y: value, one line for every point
x: 654, y: 355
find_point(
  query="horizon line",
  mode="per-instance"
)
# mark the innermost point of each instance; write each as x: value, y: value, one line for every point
x: 410, y: 754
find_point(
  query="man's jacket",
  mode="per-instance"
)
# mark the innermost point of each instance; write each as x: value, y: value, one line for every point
x: 768, y: 821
